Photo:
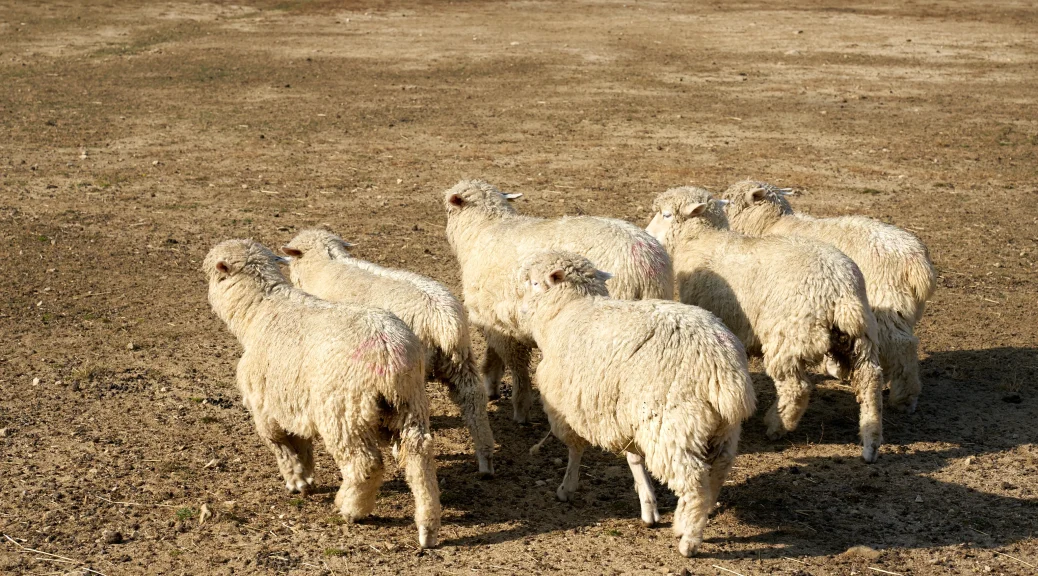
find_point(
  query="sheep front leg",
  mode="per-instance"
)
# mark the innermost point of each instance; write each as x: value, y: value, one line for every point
x: 643, y: 484
x: 793, y: 391
x: 416, y: 457
x: 294, y: 454
x: 493, y: 371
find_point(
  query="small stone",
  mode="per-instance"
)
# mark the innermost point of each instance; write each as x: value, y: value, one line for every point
x: 557, y: 461
x: 204, y: 514
x: 35, y: 381
x: 163, y: 389
x: 3, y: 432
x: 540, y: 482
x: 212, y: 463
x: 861, y: 553
x: 114, y: 537
x: 918, y: 499
x: 130, y: 346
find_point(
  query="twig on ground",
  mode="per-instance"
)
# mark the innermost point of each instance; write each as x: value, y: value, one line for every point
x: 885, y: 571
x: 727, y: 570
x: 1015, y: 558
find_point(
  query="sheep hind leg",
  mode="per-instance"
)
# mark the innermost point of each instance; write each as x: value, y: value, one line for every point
x: 360, y: 461
x: 722, y: 464
x: 693, y: 510
x: 416, y: 458
x: 643, y: 484
x: 294, y: 454
x: 793, y: 391
x: 463, y: 385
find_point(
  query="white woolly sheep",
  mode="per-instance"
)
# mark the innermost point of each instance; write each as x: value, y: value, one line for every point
x: 489, y: 239
x: 664, y: 382
x: 791, y: 300
x: 899, y: 276
x: 322, y: 265
x: 352, y: 374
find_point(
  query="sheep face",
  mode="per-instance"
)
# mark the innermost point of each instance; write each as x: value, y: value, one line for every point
x: 748, y: 195
x: 477, y: 194
x: 687, y: 204
x: 557, y: 275
x: 232, y: 258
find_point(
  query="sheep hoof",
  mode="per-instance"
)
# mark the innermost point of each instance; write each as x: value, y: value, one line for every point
x: 651, y: 519
x: 563, y: 495
x: 870, y: 453
x: 521, y: 418
x: 774, y: 433
x: 688, y: 546
x: 427, y: 537
x: 486, y: 466
x: 906, y: 407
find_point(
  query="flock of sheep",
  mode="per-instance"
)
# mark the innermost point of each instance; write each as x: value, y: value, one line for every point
x: 344, y: 349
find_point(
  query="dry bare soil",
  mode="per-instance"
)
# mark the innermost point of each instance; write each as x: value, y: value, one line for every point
x: 134, y: 136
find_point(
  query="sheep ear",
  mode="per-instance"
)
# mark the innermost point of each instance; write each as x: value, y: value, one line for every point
x: 556, y: 276
x: 513, y: 196
x: 455, y: 200
x: 223, y: 267
x: 290, y: 251
x: 756, y: 195
x: 693, y: 210
x: 603, y: 276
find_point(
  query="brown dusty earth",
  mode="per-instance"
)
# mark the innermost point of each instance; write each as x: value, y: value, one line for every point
x: 134, y: 136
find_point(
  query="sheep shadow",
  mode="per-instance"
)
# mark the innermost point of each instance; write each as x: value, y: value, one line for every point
x: 978, y: 407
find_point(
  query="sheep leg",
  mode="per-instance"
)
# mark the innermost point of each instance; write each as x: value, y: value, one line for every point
x: 465, y: 391
x: 722, y: 463
x: 416, y: 458
x: 793, y: 390
x: 360, y: 462
x: 867, y: 381
x: 569, y: 481
x: 900, y: 355
x: 296, y: 469
x: 493, y: 370
x: 694, y: 507
x: 835, y: 368
x: 643, y: 484
x: 516, y: 356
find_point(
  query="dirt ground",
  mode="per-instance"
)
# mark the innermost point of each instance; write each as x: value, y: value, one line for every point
x: 134, y: 136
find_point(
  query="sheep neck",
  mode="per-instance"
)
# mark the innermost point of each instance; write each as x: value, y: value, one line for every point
x: 758, y: 220
x: 242, y: 300
x: 464, y: 229
x: 556, y: 308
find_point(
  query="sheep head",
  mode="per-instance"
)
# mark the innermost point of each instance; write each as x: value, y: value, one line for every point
x: 557, y: 276
x: 479, y: 195
x: 752, y: 196
x: 245, y: 259
x: 685, y: 208
x: 316, y: 242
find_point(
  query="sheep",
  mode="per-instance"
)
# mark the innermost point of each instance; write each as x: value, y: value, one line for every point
x: 663, y: 382
x: 899, y: 276
x: 320, y: 263
x: 352, y: 374
x: 489, y: 239
x: 790, y: 300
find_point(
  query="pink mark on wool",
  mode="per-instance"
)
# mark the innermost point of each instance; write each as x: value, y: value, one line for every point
x: 726, y: 338
x: 651, y: 259
x: 382, y: 355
